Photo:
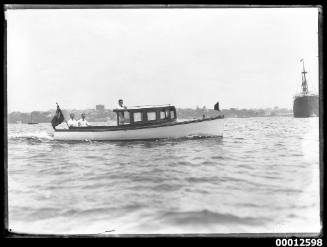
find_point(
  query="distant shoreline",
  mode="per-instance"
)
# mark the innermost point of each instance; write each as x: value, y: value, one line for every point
x: 105, y: 115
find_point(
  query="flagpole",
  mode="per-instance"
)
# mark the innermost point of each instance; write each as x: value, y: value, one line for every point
x: 62, y: 113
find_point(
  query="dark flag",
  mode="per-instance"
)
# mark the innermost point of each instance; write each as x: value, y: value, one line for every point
x: 58, y: 118
x: 216, y: 107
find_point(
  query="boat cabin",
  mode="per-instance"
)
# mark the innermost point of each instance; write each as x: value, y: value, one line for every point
x: 144, y: 115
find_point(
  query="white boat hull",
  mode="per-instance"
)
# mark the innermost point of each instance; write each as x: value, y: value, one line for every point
x: 208, y: 127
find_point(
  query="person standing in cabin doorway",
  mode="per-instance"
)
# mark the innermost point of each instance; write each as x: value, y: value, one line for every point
x: 121, y: 114
x: 82, y: 122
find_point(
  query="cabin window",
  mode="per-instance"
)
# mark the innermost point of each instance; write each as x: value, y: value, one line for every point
x: 123, y: 117
x: 162, y: 114
x: 151, y: 116
x: 167, y: 113
x: 172, y: 114
x: 137, y: 116
x: 127, y: 117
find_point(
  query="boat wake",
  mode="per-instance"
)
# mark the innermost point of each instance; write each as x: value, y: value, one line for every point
x: 40, y: 136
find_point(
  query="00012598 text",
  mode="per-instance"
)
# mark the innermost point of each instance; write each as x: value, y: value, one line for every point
x: 299, y: 242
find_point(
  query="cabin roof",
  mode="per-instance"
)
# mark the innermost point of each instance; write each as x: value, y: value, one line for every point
x: 145, y: 107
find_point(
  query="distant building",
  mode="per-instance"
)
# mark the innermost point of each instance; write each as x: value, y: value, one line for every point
x: 99, y: 107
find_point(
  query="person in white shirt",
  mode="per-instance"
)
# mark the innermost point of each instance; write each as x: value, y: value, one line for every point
x: 121, y: 104
x: 82, y: 122
x: 121, y: 114
x: 72, y: 122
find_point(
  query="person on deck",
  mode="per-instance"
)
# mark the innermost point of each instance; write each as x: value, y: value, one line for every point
x: 82, y: 122
x: 121, y: 114
x: 72, y: 121
x: 121, y: 104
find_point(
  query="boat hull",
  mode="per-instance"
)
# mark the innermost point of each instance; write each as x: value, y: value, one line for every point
x: 203, y: 128
x: 306, y: 106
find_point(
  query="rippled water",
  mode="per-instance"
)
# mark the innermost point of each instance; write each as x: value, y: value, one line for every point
x: 262, y: 176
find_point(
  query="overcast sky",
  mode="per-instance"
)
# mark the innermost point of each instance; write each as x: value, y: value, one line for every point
x: 243, y: 58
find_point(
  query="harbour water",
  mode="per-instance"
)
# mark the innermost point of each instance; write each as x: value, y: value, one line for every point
x: 261, y: 177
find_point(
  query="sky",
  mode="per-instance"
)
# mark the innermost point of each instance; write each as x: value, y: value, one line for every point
x: 243, y: 58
